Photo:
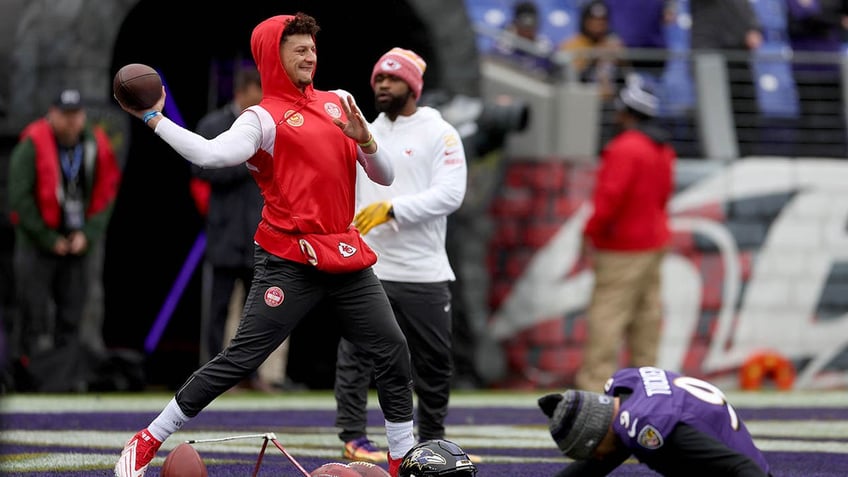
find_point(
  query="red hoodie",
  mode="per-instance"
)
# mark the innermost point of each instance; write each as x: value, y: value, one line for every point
x: 635, y: 182
x: 309, y: 183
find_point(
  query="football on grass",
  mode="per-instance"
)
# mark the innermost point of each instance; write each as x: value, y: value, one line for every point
x: 334, y: 469
x: 183, y: 461
x: 368, y: 469
x: 137, y: 86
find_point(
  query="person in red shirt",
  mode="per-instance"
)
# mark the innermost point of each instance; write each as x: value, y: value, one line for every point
x: 626, y: 236
x: 302, y: 146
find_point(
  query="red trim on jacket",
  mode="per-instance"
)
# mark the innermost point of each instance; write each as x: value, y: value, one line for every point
x: 48, y: 176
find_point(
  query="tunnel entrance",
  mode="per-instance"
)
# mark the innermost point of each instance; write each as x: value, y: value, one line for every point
x: 155, y: 224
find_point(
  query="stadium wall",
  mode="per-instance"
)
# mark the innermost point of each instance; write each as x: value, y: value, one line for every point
x: 759, y: 262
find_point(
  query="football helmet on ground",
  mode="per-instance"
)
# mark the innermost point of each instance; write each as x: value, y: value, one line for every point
x: 438, y: 457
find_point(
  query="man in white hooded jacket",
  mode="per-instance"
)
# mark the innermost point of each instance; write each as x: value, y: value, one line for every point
x: 405, y: 223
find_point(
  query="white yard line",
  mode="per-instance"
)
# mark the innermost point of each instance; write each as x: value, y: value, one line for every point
x: 324, y: 400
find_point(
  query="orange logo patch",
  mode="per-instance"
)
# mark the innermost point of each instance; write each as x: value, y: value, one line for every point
x: 293, y: 118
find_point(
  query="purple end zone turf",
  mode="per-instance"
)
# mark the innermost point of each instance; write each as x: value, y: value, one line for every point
x: 288, y: 424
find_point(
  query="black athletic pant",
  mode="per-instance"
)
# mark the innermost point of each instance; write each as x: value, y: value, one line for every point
x: 424, y: 314
x: 47, y: 282
x: 281, y: 294
x: 223, y: 283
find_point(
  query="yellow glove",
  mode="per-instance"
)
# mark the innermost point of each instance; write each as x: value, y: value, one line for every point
x: 373, y: 215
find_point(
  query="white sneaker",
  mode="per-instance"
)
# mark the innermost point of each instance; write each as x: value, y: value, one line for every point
x: 137, y: 454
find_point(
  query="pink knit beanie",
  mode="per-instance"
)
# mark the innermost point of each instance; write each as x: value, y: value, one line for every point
x: 405, y: 64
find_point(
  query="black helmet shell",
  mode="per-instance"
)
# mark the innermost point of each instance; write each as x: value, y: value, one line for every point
x: 437, y: 457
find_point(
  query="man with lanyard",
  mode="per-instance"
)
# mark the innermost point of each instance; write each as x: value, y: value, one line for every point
x: 63, y: 181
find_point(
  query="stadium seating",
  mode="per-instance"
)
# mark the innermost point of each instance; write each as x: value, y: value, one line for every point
x: 558, y: 18
x: 677, y: 96
x: 772, y: 17
x: 777, y: 96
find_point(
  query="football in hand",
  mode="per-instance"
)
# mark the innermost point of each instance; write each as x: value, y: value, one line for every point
x: 183, y: 461
x: 137, y: 86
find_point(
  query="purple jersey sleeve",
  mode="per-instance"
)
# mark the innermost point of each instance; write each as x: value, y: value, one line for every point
x: 660, y: 399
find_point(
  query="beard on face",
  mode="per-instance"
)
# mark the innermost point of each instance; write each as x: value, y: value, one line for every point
x: 304, y: 82
x: 393, y: 105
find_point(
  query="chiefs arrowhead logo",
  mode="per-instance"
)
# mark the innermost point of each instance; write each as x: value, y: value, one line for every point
x: 346, y: 250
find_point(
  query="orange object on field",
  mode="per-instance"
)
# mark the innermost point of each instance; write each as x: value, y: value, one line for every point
x: 766, y: 365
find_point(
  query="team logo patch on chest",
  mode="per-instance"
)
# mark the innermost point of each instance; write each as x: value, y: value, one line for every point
x: 274, y: 296
x: 333, y: 110
x: 650, y: 438
x: 293, y: 118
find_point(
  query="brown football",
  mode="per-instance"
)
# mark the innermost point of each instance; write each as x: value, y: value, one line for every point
x: 183, y: 461
x: 368, y: 469
x: 334, y: 469
x: 137, y: 86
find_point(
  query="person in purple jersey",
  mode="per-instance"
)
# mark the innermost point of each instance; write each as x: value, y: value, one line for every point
x: 641, y: 25
x: 676, y: 425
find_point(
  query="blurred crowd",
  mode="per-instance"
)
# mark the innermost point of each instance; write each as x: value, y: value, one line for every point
x: 540, y: 28
x: 782, y: 57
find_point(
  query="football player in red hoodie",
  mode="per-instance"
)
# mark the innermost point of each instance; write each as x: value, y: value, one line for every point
x: 302, y: 146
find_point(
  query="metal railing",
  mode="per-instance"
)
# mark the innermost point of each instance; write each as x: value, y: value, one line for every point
x: 778, y: 101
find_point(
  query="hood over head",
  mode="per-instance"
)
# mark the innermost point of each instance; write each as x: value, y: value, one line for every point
x: 265, y: 46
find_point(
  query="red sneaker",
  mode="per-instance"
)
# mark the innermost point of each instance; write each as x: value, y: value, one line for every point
x: 137, y: 454
x: 394, y: 465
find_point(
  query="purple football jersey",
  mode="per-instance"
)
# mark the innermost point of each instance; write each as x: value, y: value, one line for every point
x: 639, y: 24
x: 661, y: 399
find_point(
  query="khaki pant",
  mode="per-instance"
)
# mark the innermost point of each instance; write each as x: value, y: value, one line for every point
x: 625, y: 308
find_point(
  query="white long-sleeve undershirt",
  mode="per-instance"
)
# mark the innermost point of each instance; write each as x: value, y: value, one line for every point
x: 252, y: 130
x: 232, y: 147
